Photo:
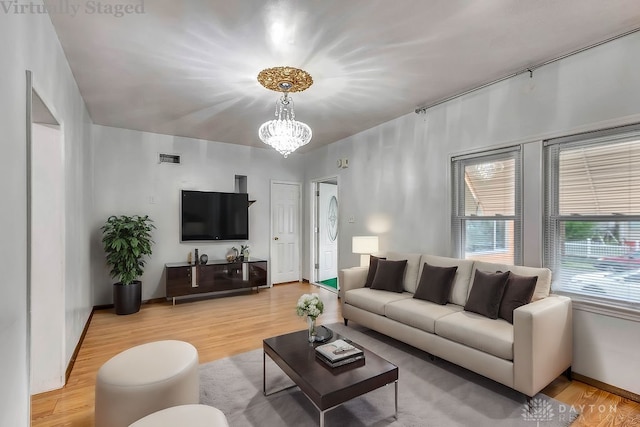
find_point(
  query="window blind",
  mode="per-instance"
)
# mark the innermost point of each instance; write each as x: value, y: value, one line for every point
x: 486, y: 213
x: 592, y: 217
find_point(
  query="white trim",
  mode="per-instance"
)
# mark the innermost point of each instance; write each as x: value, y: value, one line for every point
x: 582, y: 303
x: 312, y: 220
x: 64, y: 359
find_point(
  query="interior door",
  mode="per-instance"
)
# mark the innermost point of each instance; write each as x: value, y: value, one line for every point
x: 327, y: 233
x: 285, y: 232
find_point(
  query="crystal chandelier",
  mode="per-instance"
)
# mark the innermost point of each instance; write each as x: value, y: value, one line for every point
x: 285, y: 133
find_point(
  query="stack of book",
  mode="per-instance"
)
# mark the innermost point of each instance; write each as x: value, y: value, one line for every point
x: 338, y: 353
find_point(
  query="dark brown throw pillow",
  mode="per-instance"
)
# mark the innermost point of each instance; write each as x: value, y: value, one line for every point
x: 518, y: 292
x: 486, y: 293
x: 389, y: 275
x: 435, y: 283
x: 373, y: 266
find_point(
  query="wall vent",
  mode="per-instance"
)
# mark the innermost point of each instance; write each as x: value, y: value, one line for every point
x: 169, y: 158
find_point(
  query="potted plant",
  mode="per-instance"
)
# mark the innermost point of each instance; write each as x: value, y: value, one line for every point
x: 127, y: 240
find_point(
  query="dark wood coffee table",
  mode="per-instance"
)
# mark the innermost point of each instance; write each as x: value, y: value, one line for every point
x: 326, y: 387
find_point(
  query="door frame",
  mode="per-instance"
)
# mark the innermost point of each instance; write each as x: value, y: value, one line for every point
x: 313, y: 221
x: 47, y: 384
x: 300, y: 226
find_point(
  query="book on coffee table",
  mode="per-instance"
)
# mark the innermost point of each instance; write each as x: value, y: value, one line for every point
x: 339, y: 351
x: 341, y: 362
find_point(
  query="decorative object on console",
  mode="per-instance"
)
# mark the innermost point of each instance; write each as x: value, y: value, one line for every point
x: 285, y: 134
x: 232, y: 254
x: 365, y: 246
x: 244, y: 252
x: 126, y: 241
x: 196, y: 257
x: 204, y: 258
x: 310, y: 305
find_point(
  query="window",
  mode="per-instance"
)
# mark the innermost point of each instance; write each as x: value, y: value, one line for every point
x: 486, y: 206
x: 592, y: 217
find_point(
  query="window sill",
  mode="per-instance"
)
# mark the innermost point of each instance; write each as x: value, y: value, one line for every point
x: 605, y: 308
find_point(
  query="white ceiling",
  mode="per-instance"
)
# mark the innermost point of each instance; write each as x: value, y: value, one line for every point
x: 189, y: 68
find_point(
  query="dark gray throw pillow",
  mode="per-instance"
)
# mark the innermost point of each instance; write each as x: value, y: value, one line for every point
x: 518, y: 292
x: 435, y: 283
x: 373, y: 266
x: 389, y: 275
x: 486, y: 293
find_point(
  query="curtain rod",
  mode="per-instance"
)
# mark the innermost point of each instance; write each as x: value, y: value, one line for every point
x: 423, y: 109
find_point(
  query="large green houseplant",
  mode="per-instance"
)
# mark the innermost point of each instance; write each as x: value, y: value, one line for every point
x: 127, y: 241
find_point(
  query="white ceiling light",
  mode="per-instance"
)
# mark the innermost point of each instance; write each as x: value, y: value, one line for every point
x: 284, y: 133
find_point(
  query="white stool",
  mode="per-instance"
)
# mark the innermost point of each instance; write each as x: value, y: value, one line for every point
x: 184, y: 415
x: 146, y: 379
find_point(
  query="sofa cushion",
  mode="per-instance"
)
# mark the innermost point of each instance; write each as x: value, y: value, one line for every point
x: 493, y: 336
x: 486, y: 293
x: 411, y: 272
x: 462, y: 279
x: 389, y: 275
x: 373, y: 267
x: 419, y: 313
x: 372, y: 300
x: 518, y: 292
x: 435, y: 283
x: 543, y: 285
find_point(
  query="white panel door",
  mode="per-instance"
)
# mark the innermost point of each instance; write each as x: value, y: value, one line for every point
x: 285, y: 232
x: 327, y: 231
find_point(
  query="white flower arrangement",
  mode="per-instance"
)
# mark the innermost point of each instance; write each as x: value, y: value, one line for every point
x: 309, y: 305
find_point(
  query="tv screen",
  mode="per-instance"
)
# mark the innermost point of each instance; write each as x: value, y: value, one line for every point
x: 207, y: 216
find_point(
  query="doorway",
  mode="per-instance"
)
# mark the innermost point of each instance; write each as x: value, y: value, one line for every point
x: 325, y: 233
x: 285, y: 232
x: 46, y: 249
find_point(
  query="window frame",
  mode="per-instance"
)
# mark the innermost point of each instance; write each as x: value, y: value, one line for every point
x: 458, y: 217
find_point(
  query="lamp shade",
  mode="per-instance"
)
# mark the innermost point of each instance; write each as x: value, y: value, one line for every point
x: 364, y: 244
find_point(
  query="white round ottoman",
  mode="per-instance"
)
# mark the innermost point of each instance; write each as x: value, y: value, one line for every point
x: 184, y: 415
x: 146, y: 379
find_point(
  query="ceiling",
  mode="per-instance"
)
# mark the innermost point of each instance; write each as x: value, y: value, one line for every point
x: 189, y: 68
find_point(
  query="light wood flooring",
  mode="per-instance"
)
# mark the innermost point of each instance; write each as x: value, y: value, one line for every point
x: 223, y: 327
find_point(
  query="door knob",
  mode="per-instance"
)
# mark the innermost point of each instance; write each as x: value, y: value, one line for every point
x: 275, y: 238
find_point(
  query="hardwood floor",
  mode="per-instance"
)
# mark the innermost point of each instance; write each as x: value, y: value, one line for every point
x: 222, y: 327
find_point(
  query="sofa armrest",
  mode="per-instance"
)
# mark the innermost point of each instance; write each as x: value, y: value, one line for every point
x: 542, y: 342
x: 351, y: 278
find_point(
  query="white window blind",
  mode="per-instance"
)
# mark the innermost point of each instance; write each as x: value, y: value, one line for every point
x: 486, y: 206
x: 592, y: 217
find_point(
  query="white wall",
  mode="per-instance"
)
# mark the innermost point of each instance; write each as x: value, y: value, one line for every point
x: 398, y: 181
x: 28, y: 42
x: 129, y: 180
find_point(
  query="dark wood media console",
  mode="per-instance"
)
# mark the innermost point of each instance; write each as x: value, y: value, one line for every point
x: 214, y: 276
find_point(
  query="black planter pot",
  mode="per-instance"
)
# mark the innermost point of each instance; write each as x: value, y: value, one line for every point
x: 127, y: 298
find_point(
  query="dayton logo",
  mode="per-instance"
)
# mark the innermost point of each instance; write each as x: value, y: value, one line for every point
x: 537, y: 410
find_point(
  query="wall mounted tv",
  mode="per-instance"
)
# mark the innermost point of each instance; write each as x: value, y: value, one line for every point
x: 211, y: 216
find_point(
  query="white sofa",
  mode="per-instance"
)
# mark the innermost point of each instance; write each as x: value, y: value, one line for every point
x: 526, y: 355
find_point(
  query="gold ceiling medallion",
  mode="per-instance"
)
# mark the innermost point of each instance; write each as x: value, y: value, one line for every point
x: 285, y: 79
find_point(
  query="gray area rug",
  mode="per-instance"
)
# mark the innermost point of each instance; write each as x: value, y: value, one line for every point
x: 430, y: 393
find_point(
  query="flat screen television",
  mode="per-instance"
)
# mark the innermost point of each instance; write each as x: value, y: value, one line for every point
x: 211, y: 216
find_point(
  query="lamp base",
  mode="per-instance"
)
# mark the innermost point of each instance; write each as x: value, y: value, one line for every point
x: 364, y: 260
